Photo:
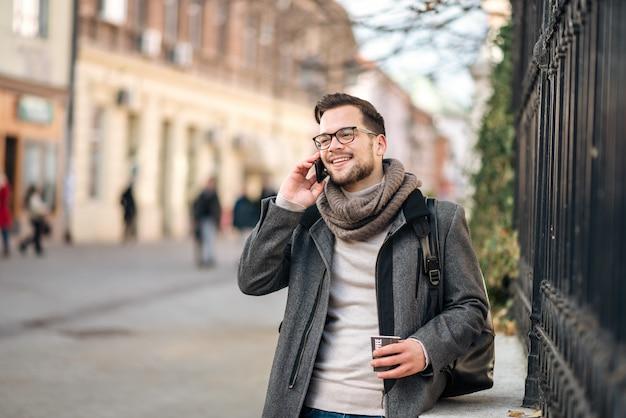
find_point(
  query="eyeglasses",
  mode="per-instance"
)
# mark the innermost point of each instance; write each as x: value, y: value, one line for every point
x: 343, y: 135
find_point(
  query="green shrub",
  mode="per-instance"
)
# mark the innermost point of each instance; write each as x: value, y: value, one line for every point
x: 492, y: 218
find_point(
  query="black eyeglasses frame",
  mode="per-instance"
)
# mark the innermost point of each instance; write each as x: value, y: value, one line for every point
x: 354, y: 128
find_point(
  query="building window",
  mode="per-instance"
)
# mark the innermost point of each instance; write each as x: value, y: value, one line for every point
x: 286, y: 65
x: 132, y: 138
x: 139, y: 14
x: 223, y: 16
x: 113, y: 11
x: 195, y: 13
x: 266, y: 37
x: 96, y: 140
x: 30, y: 18
x: 252, y: 39
x: 170, y: 30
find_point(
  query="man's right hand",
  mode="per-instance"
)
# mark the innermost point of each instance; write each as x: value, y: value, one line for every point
x: 300, y: 187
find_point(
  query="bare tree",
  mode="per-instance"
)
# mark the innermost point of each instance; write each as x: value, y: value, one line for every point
x: 438, y: 26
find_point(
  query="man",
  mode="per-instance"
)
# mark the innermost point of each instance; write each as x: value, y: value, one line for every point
x: 353, y: 273
x: 37, y: 212
x: 246, y: 213
x: 207, y: 214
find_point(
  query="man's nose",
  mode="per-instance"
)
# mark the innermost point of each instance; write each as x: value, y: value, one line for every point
x: 335, y: 144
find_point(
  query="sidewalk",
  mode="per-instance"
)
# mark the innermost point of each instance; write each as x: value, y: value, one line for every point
x: 506, y: 394
x: 137, y: 331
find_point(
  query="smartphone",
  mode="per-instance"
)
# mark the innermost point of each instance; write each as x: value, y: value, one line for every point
x: 320, y: 170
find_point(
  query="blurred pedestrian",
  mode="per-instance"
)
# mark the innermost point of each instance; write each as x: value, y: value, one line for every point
x: 129, y: 210
x: 246, y: 214
x: 37, y: 213
x: 206, y: 215
x: 5, y: 214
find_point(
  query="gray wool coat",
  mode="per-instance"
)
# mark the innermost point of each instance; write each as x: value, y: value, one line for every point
x: 281, y: 252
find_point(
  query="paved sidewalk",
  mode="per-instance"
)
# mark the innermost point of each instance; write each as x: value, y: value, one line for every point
x: 507, y: 393
x: 137, y: 331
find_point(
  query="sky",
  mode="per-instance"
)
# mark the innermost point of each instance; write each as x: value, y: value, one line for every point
x: 433, y: 69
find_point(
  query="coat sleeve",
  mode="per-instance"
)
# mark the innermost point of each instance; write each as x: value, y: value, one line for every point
x: 448, y: 335
x: 265, y: 260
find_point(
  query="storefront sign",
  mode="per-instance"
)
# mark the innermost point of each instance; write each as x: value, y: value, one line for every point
x: 34, y: 109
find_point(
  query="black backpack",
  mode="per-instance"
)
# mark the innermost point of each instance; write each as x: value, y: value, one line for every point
x: 473, y: 371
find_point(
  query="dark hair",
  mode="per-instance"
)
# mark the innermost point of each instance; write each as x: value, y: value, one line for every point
x: 371, y: 118
x: 30, y: 191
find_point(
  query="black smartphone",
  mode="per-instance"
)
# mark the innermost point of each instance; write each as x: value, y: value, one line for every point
x: 320, y: 170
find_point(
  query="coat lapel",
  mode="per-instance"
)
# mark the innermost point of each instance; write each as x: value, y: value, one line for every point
x: 324, y: 241
x: 398, y: 222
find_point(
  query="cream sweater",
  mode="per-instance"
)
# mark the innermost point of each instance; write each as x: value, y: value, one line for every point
x: 343, y: 379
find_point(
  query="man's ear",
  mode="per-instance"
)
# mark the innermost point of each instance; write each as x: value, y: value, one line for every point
x: 381, y: 145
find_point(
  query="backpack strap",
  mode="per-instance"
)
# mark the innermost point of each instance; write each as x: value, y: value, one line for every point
x: 432, y: 207
x: 420, y: 213
x: 416, y: 213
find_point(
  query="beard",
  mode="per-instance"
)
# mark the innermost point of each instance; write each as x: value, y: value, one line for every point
x: 361, y: 170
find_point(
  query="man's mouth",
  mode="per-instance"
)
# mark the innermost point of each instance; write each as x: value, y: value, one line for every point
x: 339, y: 161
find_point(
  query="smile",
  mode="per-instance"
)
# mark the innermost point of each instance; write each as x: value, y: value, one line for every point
x: 340, y: 160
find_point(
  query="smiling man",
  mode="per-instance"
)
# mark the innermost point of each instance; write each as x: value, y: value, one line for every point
x: 352, y: 166
x: 351, y: 263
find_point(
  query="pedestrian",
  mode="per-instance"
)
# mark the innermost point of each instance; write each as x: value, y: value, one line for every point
x: 349, y: 258
x: 5, y: 214
x: 37, y: 213
x: 207, y: 215
x: 129, y: 213
x: 246, y: 214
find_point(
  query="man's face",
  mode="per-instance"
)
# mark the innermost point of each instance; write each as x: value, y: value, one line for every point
x: 352, y: 164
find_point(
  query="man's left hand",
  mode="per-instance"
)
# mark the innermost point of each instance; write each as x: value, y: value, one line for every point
x: 407, y: 355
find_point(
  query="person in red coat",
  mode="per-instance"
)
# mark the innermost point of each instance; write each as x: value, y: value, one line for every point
x: 5, y: 213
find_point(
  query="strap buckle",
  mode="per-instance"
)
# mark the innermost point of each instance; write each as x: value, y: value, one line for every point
x: 433, y: 270
x: 433, y: 276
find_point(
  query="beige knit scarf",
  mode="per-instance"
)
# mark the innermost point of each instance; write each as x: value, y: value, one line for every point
x: 359, y: 218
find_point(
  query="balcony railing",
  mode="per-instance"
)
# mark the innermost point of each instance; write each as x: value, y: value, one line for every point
x: 149, y: 45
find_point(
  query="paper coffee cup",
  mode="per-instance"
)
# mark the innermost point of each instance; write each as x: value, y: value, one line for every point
x: 381, y: 341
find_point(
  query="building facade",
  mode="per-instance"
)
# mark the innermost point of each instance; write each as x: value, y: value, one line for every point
x: 412, y: 135
x: 171, y: 92
x: 35, y: 42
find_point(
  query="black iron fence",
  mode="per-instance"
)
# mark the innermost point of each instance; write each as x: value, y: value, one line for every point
x: 570, y: 99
